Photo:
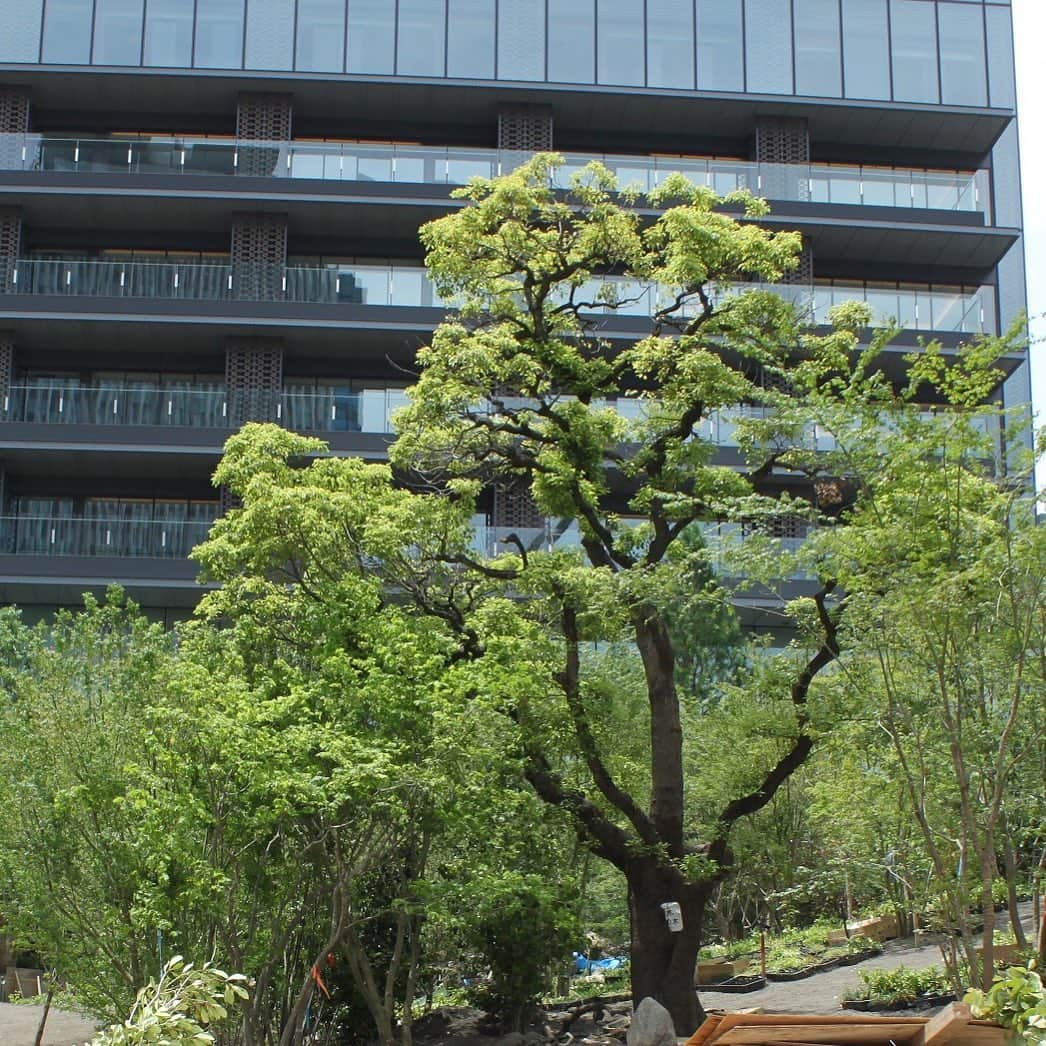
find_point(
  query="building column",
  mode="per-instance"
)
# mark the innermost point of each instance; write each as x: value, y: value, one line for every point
x: 10, y: 245
x: 261, y: 117
x: 258, y: 256
x: 525, y: 128
x: 781, y: 142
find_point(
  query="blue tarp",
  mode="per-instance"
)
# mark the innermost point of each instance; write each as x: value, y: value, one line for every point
x: 582, y: 964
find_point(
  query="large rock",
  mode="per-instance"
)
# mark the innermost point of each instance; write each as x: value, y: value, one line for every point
x: 651, y: 1025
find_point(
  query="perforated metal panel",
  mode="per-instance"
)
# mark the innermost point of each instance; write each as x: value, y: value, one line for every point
x: 514, y: 507
x: 781, y: 139
x: 525, y: 128
x: 804, y: 274
x: 7, y: 362
x: 261, y: 117
x: 253, y: 379
x: 258, y: 256
x: 10, y: 244
x: 14, y: 110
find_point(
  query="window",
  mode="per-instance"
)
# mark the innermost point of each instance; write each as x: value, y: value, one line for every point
x: 117, y: 32
x: 866, y: 41
x: 818, y: 69
x: 168, y: 33
x: 419, y: 43
x: 67, y: 32
x: 371, y: 45
x: 270, y: 34
x: 1000, y: 57
x: 521, y: 40
x: 720, y: 63
x: 620, y: 42
x: 470, y: 39
x: 571, y: 33
x: 768, y: 46
x: 914, y: 59
x: 963, y: 73
x: 670, y: 43
x: 320, y: 44
x: 219, y: 34
x: 20, y: 30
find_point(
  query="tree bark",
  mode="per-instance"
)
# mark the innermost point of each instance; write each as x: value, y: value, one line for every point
x: 663, y: 962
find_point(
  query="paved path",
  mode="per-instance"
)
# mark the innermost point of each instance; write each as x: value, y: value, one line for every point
x: 822, y: 993
x: 18, y: 1026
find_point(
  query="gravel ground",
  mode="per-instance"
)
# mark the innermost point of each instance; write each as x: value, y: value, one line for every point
x: 822, y: 992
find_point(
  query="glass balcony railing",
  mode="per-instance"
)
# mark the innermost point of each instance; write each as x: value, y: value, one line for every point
x: 126, y: 538
x: 948, y: 310
x: 435, y: 165
x: 334, y: 410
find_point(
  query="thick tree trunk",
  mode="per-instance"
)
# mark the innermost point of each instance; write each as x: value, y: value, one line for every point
x: 662, y: 961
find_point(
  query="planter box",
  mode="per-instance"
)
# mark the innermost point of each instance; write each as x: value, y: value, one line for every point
x: 882, y: 928
x: 793, y: 975
x: 24, y: 982
x: 855, y: 957
x: 712, y: 971
x: 923, y: 1002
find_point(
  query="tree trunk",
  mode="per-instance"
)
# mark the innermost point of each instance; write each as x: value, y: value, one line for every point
x: 663, y: 962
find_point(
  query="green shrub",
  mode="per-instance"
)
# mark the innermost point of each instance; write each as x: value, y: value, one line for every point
x: 1016, y: 1000
x: 900, y: 986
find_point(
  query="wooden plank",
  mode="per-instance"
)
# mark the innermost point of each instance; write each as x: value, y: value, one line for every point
x: 945, y: 1026
x: 821, y: 1034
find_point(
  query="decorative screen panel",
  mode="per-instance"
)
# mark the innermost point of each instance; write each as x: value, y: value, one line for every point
x: 253, y: 379
x: 261, y: 117
x: 7, y: 362
x: 14, y: 110
x: 804, y: 274
x: 781, y: 139
x: 10, y: 243
x: 514, y: 506
x: 259, y: 256
x: 525, y: 128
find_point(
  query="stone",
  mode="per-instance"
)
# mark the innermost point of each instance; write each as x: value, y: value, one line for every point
x: 651, y: 1025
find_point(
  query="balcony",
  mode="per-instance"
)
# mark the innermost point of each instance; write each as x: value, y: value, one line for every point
x: 949, y: 310
x: 910, y: 189
x: 127, y: 537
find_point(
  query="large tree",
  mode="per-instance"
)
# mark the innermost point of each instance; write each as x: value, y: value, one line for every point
x: 524, y: 391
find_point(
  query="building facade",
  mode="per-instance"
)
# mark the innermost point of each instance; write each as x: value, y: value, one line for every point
x: 208, y: 213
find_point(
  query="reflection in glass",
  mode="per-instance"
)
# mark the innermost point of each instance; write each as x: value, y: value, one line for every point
x: 168, y: 33
x: 117, y: 32
x: 419, y: 41
x: 1000, y: 57
x: 914, y: 41
x: 720, y: 63
x: 670, y: 43
x: 571, y: 29
x: 219, y: 34
x: 866, y: 53
x: 817, y: 64
x: 470, y: 39
x: 371, y: 31
x: 768, y: 47
x: 521, y: 40
x: 963, y: 76
x: 67, y: 32
x: 20, y: 30
x: 619, y: 30
x: 320, y: 44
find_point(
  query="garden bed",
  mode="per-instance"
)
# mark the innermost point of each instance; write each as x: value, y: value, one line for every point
x: 738, y: 985
x: 855, y: 957
x: 921, y: 1002
x: 793, y: 975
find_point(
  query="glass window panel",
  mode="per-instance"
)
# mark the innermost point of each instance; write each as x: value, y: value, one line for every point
x: 619, y: 39
x: 371, y: 43
x: 571, y: 41
x: 419, y: 43
x: 270, y: 34
x: 670, y: 43
x: 20, y: 30
x: 521, y: 40
x: 866, y: 49
x: 720, y: 63
x: 818, y: 69
x: 67, y: 31
x: 168, y: 33
x: 117, y: 32
x: 470, y: 39
x: 963, y: 72
x: 914, y: 39
x: 320, y: 46
x: 1000, y: 57
x: 768, y: 46
x: 219, y: 34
